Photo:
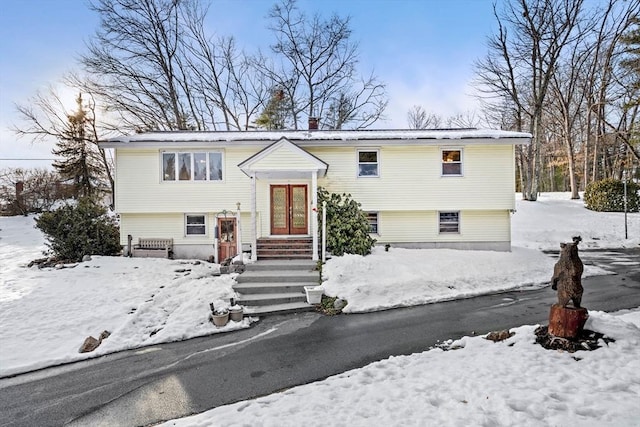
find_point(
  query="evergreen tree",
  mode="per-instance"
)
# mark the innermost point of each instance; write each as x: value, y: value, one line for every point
x: 80, y: 161
x: 78, y: 229
x: 632, y: 43
x: 273, y: 115
x: 348, y: 229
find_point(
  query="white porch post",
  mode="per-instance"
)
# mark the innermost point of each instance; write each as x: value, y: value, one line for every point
x: 314, y: 210
x: 254, y: 226
x: 239, y: 233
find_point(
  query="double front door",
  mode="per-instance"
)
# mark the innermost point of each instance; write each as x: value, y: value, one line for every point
x: 289, y: 213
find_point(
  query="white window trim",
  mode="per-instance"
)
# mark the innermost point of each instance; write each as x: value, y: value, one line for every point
x: 206, y: 225
x: 192, y: 178
x: 459, y: 223
x: 461, y: 150
x: 365, y: 150
x: 377, y: 214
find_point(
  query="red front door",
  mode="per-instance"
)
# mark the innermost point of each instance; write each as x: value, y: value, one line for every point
x: 227, y: 245
x: 289, y: 209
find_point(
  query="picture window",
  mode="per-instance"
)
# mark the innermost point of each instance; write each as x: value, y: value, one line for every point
x: 196, y: 166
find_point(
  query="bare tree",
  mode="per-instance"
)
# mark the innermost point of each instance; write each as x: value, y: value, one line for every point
x: 418, y: 118
x: 137, y: 67
x: 24, y: 191
x: 602, y: 84
x: 224, y: 80
x: 315, y: 64
x: 468, y: 119
x: 522, y: 58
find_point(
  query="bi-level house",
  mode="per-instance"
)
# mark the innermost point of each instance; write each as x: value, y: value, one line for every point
x: 209, y: 191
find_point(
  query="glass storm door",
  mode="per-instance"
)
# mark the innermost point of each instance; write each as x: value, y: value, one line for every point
x: 289, y: 209
x: 227, y: 245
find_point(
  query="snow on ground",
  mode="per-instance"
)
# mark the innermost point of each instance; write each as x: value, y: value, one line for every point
x: 511, y: 383
x: 403, y: 277
x: 555, y: 218
x: 45, y: 314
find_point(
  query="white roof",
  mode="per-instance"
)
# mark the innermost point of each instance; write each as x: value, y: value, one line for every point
x: 320, y: 137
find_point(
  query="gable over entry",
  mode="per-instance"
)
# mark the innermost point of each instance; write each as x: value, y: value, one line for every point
x: 284, y: 160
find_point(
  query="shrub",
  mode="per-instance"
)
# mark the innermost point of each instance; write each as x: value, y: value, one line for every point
x: 347, y: 225
x: 608, y: 196
x: 75, y: 230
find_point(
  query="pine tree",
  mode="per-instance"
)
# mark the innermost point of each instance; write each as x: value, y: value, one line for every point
x: 80, y: 161
x: 273, y: 115
x: 632, y: 43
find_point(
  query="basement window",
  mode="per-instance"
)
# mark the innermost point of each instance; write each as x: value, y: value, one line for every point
x: 449, y: 222
x: 373, y: 222
x: 195, y: 225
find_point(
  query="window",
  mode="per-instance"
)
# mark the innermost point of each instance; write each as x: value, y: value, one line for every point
x: 373, y: 222
x: 198, y: 166
x: 215, y: 166
x: 184, y: 166
x: 449, y: 222
x: 195, y: 225
x: 452, y: 162
x: 168, y: 166
x: 367, y: 163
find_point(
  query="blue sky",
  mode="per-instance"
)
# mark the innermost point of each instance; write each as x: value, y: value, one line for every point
x: 422, y: 49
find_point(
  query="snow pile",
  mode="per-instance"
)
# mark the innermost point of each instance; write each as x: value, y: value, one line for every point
x: 509, y: 383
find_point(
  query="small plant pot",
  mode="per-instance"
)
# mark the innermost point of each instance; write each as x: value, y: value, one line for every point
x: 314, y: 294
x: 236, y: 314
x: 220, y: 319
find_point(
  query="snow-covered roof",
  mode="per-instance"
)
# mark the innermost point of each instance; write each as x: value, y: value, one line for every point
x: 321, y: 137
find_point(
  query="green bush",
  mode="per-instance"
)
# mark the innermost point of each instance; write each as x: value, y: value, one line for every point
x: 608, y: 196
x: 347, y: 225
x: 75, y: 230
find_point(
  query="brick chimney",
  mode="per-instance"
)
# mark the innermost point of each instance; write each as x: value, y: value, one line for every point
x: 313, y: 123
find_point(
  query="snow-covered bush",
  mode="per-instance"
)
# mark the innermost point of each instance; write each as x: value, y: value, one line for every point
x: 78, y: 229
x: 607, y: 195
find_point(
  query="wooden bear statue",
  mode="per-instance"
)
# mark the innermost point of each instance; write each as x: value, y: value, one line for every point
x: 567, y: 274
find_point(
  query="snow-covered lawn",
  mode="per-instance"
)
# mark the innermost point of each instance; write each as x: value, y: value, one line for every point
x: 511, y: 383
x: 404, y: 277
x: 45, y: 314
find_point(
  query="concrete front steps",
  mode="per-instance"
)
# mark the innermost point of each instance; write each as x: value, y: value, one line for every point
x: 276, y: 287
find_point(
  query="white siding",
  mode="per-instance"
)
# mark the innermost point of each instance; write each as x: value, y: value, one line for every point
x: 423, y: 226
x: 140, y: 188
x: 285, y: 157
x: 173, y: 226
x: 410, y: 178
x: 408, y: 193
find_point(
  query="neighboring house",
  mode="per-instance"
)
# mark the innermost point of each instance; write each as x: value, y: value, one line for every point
x: 420, y: 188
